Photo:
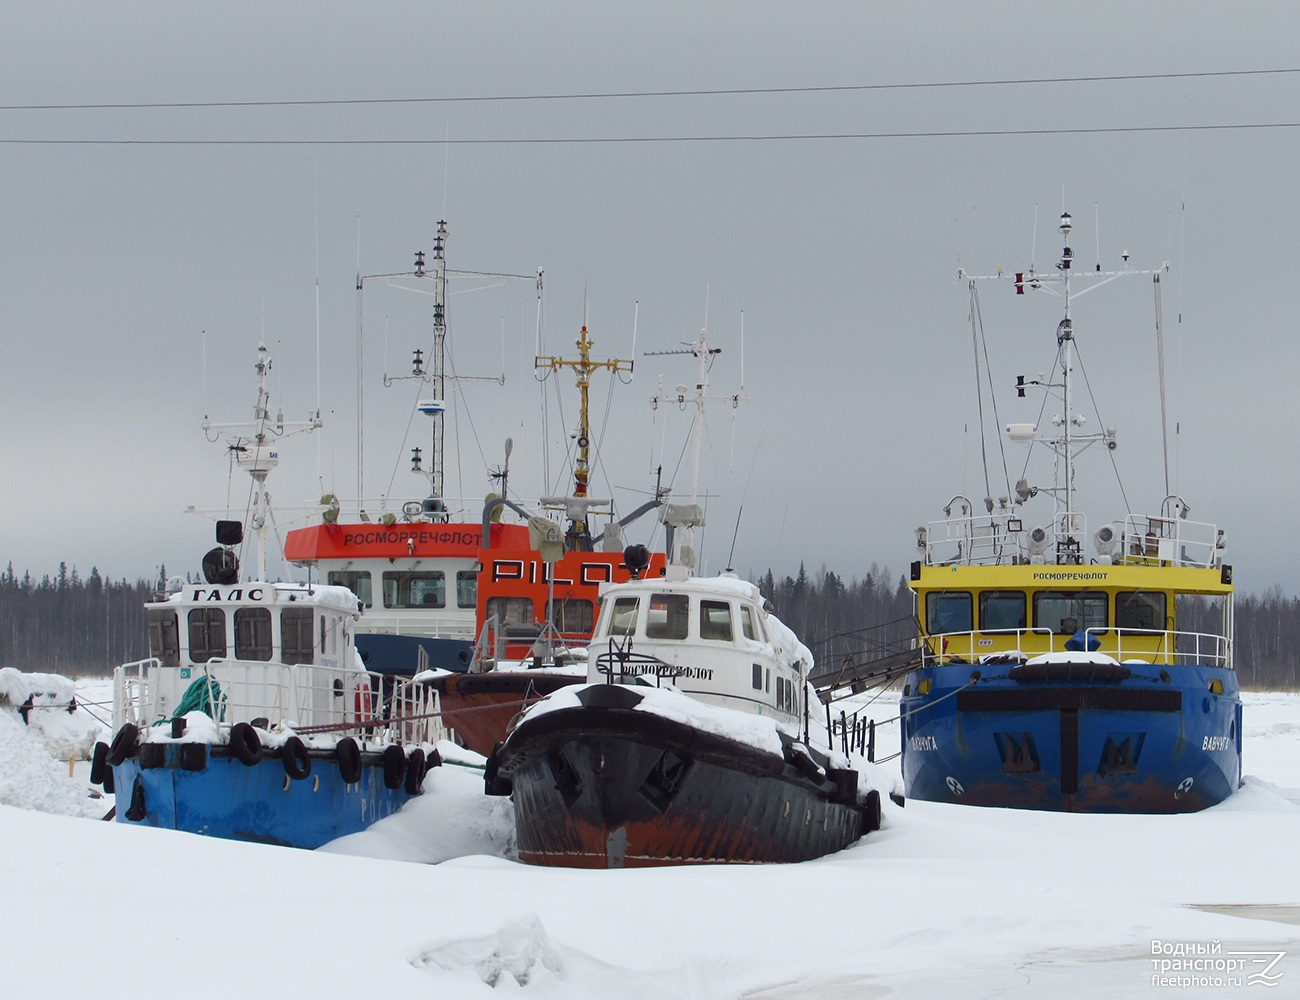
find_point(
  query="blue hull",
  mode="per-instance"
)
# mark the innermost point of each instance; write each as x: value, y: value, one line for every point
x: 1134, y: 745
x: 261, y: 804
x: 383, y: 653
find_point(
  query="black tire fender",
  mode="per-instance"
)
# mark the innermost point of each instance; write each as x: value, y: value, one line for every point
x: 137, y: 811
x: 394, y: 760
x: 98, y: 763
x: 494, y: 783
x: 124, y: 744
x: 415, y: 772
x: 871, y: 812
x: 297, y: 764
x: 245, y: 745
x: 349, y: 756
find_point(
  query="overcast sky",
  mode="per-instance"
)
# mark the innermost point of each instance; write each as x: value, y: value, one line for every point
x: 136, y: 279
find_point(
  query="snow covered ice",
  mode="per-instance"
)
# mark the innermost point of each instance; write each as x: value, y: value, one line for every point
x: 943, y: 902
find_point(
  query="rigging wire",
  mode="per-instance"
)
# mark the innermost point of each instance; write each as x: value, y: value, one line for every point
x: 1078, y: 357
x: 979, y: 389
x: 401, y: 448
x: 993, y: 396
x: 622, y: 95
x: 1160, y: 361
x: 678, y: 139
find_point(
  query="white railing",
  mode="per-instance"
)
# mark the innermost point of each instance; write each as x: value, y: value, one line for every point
x: 1169, y: 541
x: 969, y: 541
x: 489, y: 648
x: 1149, y: 645
x: 418, y: 622
x: 1002, y: 538
x: 303, y: 697
x: 468, y: 510
x: 414, y: 712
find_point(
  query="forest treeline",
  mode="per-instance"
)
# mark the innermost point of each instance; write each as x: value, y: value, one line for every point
x: 73, y: 625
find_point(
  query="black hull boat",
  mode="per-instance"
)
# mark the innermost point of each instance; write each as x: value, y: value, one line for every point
x: 603, y: 784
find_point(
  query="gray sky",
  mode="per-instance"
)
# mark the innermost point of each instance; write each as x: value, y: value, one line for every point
x: 137, y: 280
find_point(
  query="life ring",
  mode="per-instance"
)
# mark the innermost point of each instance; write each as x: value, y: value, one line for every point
x: 245, y: 745
x: 871, y: 812
x: 349, y: 755
x: 293, y: 755
x: 394, y: 759
x: 363, y: 702
x: 415, y: 771
x: 98, y: 763
x: 123, y: 744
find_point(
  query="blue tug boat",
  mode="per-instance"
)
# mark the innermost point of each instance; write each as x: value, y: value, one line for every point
x: 253, y: 717
x: 1053, y: 677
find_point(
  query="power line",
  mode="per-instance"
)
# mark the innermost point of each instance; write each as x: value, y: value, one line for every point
x: 594, y: 140
x: 621, y: 95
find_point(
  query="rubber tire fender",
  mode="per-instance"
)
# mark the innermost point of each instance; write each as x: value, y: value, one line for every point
x: 394, y: 761
x: 493, y: 781
x: 124, y: 744
x: 297, y: 764
x: 137, y: 810
x: 871, y: 812
x: 98, y: 763
x: 349, y: 756
x: 245, y: 745
x: 415, y: 772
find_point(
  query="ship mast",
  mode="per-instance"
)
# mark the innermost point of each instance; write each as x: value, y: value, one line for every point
x: 434, y: 372
x: 584, y: 367
x: 1065, y: 341
x: 1068, y: 441
x: 253, y: 445
x: 691, y: 516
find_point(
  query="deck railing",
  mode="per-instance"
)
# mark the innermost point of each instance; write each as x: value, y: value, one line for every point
x: 1148, y: 645
x: 1001, y: 538
x: 301, y: 697
x: 422, y: 623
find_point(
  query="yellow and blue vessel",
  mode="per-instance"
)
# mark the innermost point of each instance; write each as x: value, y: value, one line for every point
x: 1063, y: 667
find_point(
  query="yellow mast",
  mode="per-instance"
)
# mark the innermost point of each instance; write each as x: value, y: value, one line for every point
x: 583, y: 366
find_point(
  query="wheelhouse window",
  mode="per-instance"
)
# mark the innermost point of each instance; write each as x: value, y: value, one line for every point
x: 748, y: 626
x: 574, y: 615
x: 253, y: 633
x: 949, y: 611
x: 466, y: 588
x: 622, y: 617
x: 295, y: 635
x: 357, y: 581
x: 667, y: 617
x: 207, y: 634
x: 165, y: 638
x: 415, y: 590
x: 515, y: 615
x: 1067, y: 612
x: 1002, y: 609
x: 715, y: 621
x: 1140, y: 609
